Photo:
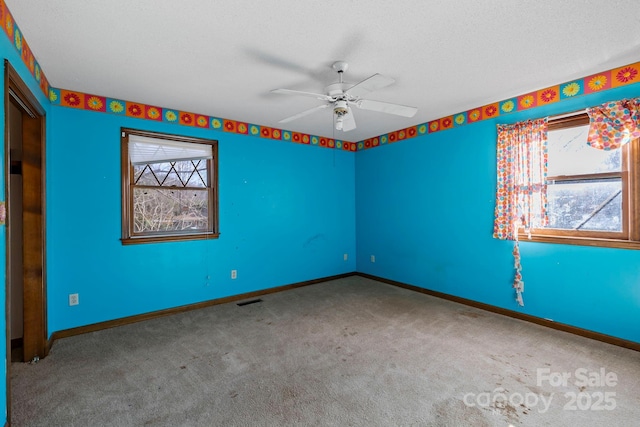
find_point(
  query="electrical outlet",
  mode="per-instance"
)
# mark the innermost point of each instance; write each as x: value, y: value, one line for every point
x: 74, y: 299
x: 234, y: 274
x: 373, y: 258
x: 346, y: 257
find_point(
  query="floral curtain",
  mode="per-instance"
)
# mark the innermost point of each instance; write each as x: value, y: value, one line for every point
x: 614, y: 124
x: 521, y: 193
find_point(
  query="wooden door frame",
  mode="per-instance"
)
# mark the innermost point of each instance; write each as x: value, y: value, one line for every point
x: 35, y: 343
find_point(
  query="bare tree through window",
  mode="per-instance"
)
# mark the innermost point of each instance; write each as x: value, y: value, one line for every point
x: 169, y: 194
x: 593, y: 195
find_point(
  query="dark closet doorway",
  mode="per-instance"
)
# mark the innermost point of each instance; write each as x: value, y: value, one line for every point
x: 25, y: 237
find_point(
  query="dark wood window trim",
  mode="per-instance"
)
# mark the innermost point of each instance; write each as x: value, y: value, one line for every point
x: 629, y: 237
x: 128, y: 235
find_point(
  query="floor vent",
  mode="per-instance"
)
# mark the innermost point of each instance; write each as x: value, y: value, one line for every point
x: 251, y: 301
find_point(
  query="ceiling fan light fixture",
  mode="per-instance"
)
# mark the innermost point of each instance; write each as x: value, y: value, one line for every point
x: 340, y: 108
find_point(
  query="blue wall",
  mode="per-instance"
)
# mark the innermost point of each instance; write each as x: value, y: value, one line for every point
x: 286, y: 215
x: 8, y: 52
x: 424, y: 208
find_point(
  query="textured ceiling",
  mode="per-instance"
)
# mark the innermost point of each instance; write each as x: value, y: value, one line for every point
x: 221, y: 58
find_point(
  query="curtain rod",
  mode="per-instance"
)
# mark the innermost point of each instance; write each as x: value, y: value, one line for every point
x: 563, y: 115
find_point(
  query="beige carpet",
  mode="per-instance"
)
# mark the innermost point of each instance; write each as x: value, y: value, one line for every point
x: 351, y: 352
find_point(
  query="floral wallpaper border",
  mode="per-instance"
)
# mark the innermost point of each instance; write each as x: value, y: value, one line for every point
x: 103, y: 104
x: 16, y: 37
x: 83, y: 101
x: 617, y: 77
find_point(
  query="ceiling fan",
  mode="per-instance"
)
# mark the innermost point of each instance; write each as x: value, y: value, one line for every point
x: 341, y: 96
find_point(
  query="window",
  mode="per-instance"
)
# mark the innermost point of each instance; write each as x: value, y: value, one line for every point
x: 169, y: 187
x: 591, y: 193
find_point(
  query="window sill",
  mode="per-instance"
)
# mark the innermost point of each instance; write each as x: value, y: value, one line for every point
x: 581, y: 241
x: 168, y: 238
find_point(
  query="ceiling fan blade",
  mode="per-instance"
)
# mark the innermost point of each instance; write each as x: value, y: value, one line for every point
x: 387, y: 107
x: 281, y: 62
x: 304, y: 113
x: 349, y: 122
x: 375, y: 82
x: 301, y: 93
